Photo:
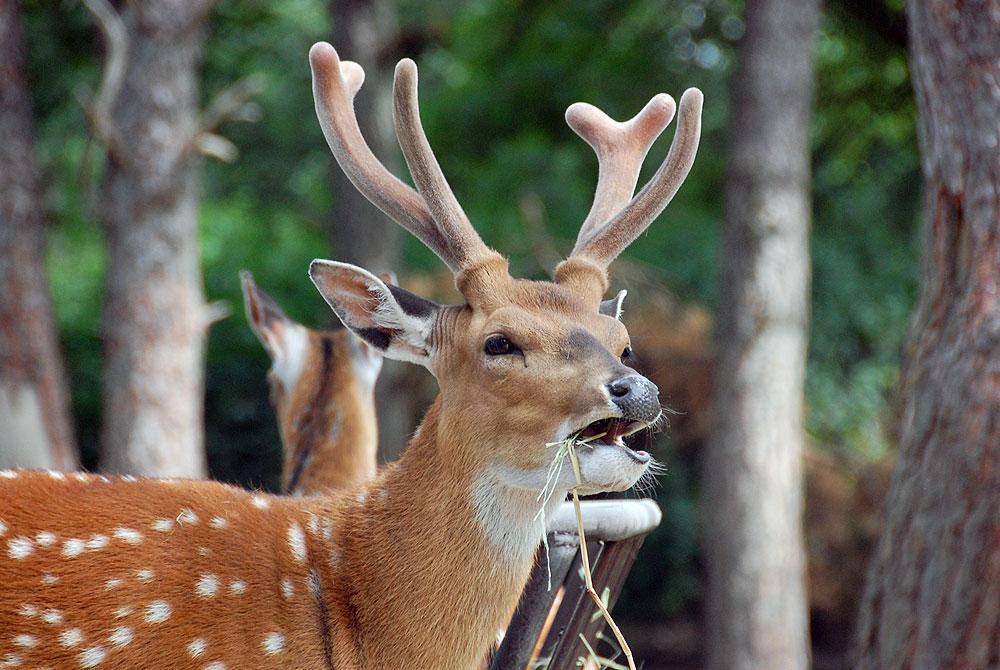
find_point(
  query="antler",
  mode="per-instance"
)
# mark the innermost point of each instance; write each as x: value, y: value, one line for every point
x: 620, y: 148
x: 433, y: 214
x: 616, y: 218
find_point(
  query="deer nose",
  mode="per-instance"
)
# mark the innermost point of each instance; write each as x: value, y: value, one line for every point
x: 637, y: 398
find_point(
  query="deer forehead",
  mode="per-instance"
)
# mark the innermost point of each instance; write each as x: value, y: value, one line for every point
x: 567, y: 330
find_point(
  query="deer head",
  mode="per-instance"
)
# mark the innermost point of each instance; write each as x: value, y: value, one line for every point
x: 521, y: 363
x: 322, y: 389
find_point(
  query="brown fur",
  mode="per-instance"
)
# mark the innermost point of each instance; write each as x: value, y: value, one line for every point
x: 327, y: 421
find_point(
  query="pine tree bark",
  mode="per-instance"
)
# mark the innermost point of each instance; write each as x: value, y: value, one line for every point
x: 34, y: 405
x: 756, y: 605
x: 932, y: 598
x: 365, y: 31
x: 155, y: 318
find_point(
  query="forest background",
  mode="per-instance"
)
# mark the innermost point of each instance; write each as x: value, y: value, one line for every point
x: 496, y: 77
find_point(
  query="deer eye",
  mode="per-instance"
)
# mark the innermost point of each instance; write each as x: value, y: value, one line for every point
x: 626, y: 355
x: 498, y: 345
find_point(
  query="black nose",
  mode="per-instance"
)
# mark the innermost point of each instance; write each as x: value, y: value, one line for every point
x: 637, y: 397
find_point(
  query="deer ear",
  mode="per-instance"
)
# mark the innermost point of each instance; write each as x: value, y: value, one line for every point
x: 613, y: 307
x: 394, y: 321
x: 266, y: 318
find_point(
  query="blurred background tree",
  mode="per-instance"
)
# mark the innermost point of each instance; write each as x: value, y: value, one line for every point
x: 496, y: 77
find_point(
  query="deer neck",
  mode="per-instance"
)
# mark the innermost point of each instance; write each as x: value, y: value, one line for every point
x: 439, y: 552
x: 329, y: 429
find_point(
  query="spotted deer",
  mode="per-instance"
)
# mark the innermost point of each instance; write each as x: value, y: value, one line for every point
x: 418, y: 567
x: 323, y: 393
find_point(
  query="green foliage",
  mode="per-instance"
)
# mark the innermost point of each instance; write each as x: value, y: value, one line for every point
x: 496, y: 77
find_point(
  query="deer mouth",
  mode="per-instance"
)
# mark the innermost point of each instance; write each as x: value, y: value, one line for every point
x: 612, y: 432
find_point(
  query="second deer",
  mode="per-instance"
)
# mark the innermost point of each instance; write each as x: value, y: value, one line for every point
x: 323, y: 392
x: 420, y: 567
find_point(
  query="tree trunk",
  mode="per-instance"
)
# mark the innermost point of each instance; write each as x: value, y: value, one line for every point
x: 933, y: 593
x: 34, y: 407
x: 364, y: 31
x: 155, y: 317
x: 756, y: 611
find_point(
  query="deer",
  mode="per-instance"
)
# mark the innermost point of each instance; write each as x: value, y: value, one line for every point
x: 418, y: 567
x: 322, y: 388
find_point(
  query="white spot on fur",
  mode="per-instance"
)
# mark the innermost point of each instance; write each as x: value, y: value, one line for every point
x: 215, y: 665
x: 45, y: 539
x: 52, y: 616
x: 196, y: 647
x: 20, y: 547
x: 91, y: 658
x: 287, y: 588
x: 207, y: 586
x: 58, y: 476
x: 3, y: 527
x: 70, y: 637
x: 157, y: 611
x: 129, y: 478
x: 297, y: 542
x: 128, y: 535
x: 260, y: 502
x: 204, y: 551
x: 73, y: 547
x: 238, y: 587
x: 274, y: 643
x: 97, y: 542
x: 28, y: 610
x: 81, y: 477
x: 162, y: 525
x: 121, y: 636
x: 123, y: 612
x: 12, y: 660
x: 145, y: 575
x: 8, y: 474
x: 187, y: 517
x: 49, y: 579
x: 313, y: 525
x: 218, y: 522
x: 27, y: 641
x: 112, y: 583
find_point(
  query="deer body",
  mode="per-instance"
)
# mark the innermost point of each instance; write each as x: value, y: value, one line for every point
x: 199, y: 572
x: 323, y: 392
x: 419, y: 567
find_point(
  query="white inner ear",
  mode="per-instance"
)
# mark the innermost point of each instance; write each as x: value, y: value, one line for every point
x: 619, y: 301
x: 413, y: 331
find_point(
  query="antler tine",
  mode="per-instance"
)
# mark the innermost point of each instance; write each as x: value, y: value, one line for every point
x: 606, y: 243
x: 620, y: 147
x: 465, y: 246
x: 335, y: 83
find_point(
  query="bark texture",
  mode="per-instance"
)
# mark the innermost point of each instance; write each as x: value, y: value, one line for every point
x: 34, y: 407
x: 933, y: 593
x: 365, y: 31
x: 155, y: 317
x: 756, y: 611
